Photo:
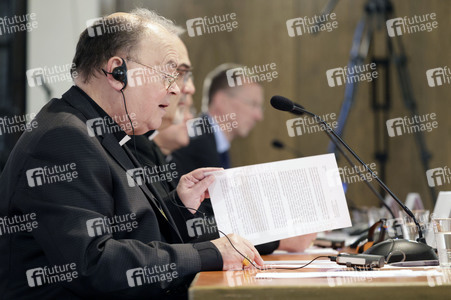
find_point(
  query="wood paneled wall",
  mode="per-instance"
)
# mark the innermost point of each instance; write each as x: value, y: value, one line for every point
x: 302, y: 62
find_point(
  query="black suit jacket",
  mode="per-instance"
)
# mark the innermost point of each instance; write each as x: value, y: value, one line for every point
x: 201, y: 152
x: 66, y: 211
x: 150, y: 156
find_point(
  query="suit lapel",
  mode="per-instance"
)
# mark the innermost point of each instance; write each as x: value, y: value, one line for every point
x: 110, y: 143
x: 154, y: 195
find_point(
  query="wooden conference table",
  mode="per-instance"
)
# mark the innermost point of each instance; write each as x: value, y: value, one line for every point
x: 244, y: 285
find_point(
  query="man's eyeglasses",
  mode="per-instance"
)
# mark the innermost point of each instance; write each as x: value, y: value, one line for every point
x: 170, y: 78
x: 185, y: 74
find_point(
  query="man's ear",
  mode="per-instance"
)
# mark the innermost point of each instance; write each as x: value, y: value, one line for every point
x: 113, y: 63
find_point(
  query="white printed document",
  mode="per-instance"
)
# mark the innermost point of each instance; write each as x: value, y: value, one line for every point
x: 278, y: 200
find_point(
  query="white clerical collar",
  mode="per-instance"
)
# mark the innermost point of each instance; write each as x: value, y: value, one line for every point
x: 124, y: 140
x: 153, y: 135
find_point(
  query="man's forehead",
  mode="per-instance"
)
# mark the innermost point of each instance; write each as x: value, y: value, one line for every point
x: 250, y: 89
x: 157, y: 29
x: 161, y: 51
x: 179, y: 50
x: 183, y: 56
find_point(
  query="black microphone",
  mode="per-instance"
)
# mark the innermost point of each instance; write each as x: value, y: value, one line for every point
x: 280, y: 145
x: 416, y: 250
x: 282, y: 103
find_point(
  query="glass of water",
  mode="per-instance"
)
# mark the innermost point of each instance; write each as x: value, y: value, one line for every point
x: 442, y: 232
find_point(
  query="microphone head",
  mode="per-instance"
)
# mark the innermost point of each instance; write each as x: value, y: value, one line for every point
x: 282, y: 103
x: 278, y: 144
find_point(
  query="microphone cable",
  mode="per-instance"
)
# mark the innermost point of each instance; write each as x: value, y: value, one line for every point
x: 142, y: 165
x: 133, y: 128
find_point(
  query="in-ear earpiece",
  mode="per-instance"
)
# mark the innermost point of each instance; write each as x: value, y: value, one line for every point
x: 119, y: 73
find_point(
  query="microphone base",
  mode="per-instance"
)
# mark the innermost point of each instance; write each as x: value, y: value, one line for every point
x: 395, y: 250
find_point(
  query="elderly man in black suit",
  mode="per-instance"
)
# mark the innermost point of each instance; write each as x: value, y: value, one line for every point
x: 78, y: 218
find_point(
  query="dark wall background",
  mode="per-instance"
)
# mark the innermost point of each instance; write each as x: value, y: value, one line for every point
x: 12, y: 75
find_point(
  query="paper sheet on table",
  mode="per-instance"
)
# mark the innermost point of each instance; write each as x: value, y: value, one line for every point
x: 360, y: 274
x: 310, y: 250
x: 278, y: 200
x: 316, y: 250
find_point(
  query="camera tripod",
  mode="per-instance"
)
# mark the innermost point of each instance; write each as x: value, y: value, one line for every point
x: 376, y: 13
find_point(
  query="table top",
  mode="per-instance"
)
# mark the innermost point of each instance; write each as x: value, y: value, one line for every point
x: 243, y: 284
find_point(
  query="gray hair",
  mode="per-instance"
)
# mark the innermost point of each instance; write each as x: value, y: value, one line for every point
x: 152, y: 17
x: 121, y: 34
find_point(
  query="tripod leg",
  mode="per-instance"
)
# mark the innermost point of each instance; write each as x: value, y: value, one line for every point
x: 380, y: 105
x: 410, y: 103
x: 356, y: 58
